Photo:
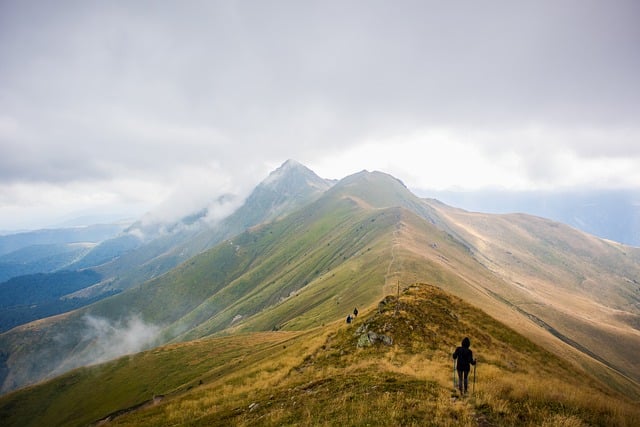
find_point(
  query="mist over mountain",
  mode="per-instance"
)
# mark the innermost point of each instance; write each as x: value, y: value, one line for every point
x: 163, y: 246
x: 150, y: 247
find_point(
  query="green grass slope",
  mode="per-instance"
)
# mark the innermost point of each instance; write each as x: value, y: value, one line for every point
x: 367, y: 237
x: 287, y: 189
x: 325, y: 256
x: 336, y: 374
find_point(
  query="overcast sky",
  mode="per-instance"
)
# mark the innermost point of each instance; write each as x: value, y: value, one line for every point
x: 119, y: 106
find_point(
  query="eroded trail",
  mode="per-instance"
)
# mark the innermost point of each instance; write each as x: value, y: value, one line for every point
x: 391, y: 277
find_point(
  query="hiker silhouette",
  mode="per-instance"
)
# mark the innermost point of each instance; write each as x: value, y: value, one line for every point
x: 464, y: 357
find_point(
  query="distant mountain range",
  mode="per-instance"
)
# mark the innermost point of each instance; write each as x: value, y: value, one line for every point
x: 301, y: 252
x: 59, y: 236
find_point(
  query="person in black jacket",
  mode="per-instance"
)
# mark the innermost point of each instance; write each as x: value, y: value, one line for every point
x: 464, y: 357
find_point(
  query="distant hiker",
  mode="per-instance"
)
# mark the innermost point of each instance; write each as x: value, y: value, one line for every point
x: 355, y: 312
x: 349, y: 319
x: 464, y: 357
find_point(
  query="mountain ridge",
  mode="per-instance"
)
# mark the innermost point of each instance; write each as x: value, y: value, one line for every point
x: 142, y: 252
x: 365, y: 237
x: 582, y: 287
x: 391, y: 366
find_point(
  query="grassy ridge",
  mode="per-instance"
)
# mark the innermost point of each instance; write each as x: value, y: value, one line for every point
x: 362, y: 239
x: 265, y: 267
x: 321, y: 246
x: 317, y: 252
x: 329, y: 376
x: 578, y: 286
x: 255, y: 270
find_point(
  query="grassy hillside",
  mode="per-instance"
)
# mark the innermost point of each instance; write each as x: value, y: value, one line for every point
x: 285, y: 190
x: 366, y: 237
x: 325, y: 256
x: 583, y: 290
x: 337, y: 374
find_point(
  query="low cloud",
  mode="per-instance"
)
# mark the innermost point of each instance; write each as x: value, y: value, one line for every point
x: 105, y: 339
x: 199, y: 189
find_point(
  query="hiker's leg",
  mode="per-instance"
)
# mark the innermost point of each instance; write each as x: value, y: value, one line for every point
x: 460, y: 381
x: 466, y: 380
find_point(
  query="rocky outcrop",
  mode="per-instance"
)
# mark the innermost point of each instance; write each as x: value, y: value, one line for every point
x: 367, y: 338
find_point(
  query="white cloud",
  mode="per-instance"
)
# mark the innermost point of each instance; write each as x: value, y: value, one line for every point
x: 514, y: 159
x: 29, y: 205
x: 523, y: 95
x: 190, y: 190
x: 435, y: 159
x: 106, y: 339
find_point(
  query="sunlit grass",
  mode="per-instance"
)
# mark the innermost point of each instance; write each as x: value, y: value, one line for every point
x: 326, y: 380
x: 322, y: 378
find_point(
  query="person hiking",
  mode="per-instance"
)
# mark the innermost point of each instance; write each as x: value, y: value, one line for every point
x: 464, y: 357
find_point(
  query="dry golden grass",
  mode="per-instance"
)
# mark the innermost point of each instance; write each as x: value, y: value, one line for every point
x: 323, y: 379
x: 580, y: 286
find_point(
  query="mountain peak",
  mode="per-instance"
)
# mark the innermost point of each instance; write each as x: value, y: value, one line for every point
x: 377, y: 188
x: 293, y: 172
x: 372, y: 176
x: 291, y: 163
x: 290, y: 186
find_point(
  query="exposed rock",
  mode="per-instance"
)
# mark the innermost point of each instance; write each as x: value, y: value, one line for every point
x: 363, y: 341
x: 389, y: 299
x: 367, y: 338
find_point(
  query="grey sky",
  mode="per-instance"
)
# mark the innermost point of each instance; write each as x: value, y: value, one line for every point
x: 122, y: 105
